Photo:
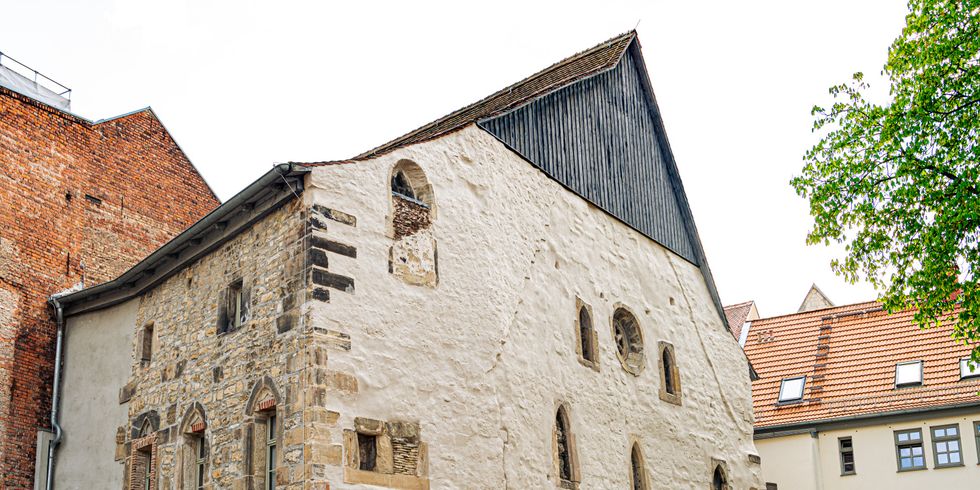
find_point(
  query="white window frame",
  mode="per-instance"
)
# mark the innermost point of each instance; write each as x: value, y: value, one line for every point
x: 901, y: 384
x: 782, y: 388
x: 965, y: 372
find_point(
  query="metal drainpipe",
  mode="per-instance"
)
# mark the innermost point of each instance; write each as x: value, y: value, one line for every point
x: 56, y: 389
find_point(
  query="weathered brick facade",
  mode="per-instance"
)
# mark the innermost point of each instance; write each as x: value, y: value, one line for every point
x: 80, y: 201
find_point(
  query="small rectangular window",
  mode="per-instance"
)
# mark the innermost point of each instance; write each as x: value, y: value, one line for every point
x: 846, y: 447
x: 969, y: 369
x: 908, y: 374
x: 909, y: 450
x: 146, y: 347
x: 791, y: 389
x: 946, y: 446
x: 367, y: 449
x: 234, y: 310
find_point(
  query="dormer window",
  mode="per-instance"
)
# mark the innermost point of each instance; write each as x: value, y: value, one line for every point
x: 969, y: 369
x: 908, y: 374
x: 791, y: 389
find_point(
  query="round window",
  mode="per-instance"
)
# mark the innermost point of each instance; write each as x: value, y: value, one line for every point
x: 629, y: 340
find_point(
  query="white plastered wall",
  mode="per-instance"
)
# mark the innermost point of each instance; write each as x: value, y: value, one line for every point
x: 483, y: 359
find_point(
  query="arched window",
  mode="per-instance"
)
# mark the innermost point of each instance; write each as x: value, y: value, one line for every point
x: 719, y: 481
x: 143, y: 452
x: 629, y: 340
x: 264, y: 433
x: 587, y: 347
x: 638, y: 474
x: 411, y: 199
x: 564, y: 444
x: 194, y: 452
x: 670, y: 379
x: 413, y: 255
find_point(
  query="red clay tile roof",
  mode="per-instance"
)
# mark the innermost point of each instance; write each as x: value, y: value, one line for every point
x: 863, y: 344
x: 589, y: 62
x: 736, y: 315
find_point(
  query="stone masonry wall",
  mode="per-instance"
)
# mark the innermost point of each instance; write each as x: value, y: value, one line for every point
x: 274, y: 361
x: 80, y: 200
x: 480, y: 361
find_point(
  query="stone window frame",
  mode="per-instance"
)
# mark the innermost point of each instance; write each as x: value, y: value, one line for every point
x: 593, y: 340
x: 946, y: 438
x: 561, y: 417
x: 667, y: 353
x: 263, y: 402
x: 635, y: 361
x: 239, y: 291
x: 147, y: 342
x: 193, y: 428
x: 389, y: 464
x: 843, y: 452
x: 143, y: 446
x: 719, y: 467
x: 638, y: 467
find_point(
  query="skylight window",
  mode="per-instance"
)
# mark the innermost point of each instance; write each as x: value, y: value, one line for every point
x: 908, y: 373
x: 791, y: 389
x: 969, y: 369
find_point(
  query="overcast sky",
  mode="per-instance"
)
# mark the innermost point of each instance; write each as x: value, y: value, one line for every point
x: 244, y: 84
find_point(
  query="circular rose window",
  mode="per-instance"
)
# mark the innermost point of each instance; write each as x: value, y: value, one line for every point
x: 629, y: 340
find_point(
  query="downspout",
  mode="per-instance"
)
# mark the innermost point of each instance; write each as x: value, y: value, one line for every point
x: 56, y: 392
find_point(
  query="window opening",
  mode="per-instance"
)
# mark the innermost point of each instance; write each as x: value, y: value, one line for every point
x: 668, y: 368
x: 846, y: 447
x: 199, y: 463
x: 585, y: 334
x: 564, y: 456
x: 636, y: 460
x: 908, y: 447
x: 400, y: 185
x: 270, y: 455
x: 969, y: 369
x: 946, y: 446
x: 908, y: 374
x: 718, y: 481
x: 146, y: 350
x: 791, y: 389
x: 629, y: 340
x: 367, y: 447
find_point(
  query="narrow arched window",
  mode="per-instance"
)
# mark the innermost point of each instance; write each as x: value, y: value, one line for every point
x: 719, y: 482
x: 194, y: 452
x: 670, y: 378
x: 587, y: 346
x: 563, y: 446
x: 638, y: 469
x: 411, y: 199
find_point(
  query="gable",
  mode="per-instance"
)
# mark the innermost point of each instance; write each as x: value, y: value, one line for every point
x: 599, y: 138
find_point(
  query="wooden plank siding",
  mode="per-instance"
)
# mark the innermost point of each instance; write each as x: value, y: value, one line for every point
x: 598, y: 137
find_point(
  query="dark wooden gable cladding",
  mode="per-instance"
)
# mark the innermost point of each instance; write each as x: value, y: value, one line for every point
x: 598, y: 137
x: 602, y: 137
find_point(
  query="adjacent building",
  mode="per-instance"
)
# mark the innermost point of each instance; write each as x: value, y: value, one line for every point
x: 81, y: 203
x: 512, y: 296
x: 851, y: 397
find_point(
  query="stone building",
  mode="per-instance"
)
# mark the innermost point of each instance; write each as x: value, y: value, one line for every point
x: 80, y: 204
x: 851, y: 397
x: 513, y: 296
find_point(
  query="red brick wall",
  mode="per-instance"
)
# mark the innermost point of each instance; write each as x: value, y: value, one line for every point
x: 77, y: 200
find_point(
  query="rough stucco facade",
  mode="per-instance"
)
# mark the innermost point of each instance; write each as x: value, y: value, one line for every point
x: 471, y: 368
x: 81, y: 203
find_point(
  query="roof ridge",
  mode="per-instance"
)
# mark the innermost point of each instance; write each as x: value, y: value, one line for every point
x: 419, y: 134
x: 812, y: 312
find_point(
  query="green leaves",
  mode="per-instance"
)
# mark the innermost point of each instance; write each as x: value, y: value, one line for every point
x: 899, y: 184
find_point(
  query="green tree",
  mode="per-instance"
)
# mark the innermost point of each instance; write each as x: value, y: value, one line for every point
x: 898, y: 183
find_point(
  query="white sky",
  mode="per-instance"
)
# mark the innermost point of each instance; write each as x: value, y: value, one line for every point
x: 244, y: 84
